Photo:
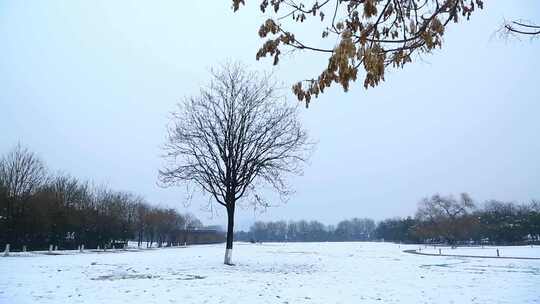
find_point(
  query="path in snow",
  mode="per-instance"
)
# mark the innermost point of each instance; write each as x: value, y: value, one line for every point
x: 491, y: 252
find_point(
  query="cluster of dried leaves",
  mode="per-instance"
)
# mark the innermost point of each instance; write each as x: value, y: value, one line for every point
x: 370, y: 34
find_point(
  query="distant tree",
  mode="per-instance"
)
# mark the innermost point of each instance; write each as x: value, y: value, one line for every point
x: 166, y: 225
x: 3, y: 211
x: 443, y: 215
x: 535, y: 205
x: 192, y: 222
x: 533, y: 220
x: 316, y: 232
x: 235, y: 136
x: 504, y: 222
x: 141, y: 211
x: 302, y: 227
x: 370, y: 35
x: 151, y: 220
x: 292, y: 231
x: 280, y: 230
x: 355, y: 229
x: 21, y: 175
x: 63, y: 199
x: 258, y: 231
x: 398, y: 230
x: 178, y: 231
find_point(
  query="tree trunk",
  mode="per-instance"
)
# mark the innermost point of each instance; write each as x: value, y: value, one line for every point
x: 230, y: 235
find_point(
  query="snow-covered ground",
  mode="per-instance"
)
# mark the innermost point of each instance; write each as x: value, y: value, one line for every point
x: 488, y: 251
x: 270, y: 273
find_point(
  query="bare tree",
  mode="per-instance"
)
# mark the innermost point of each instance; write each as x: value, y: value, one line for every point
x: 445, y: 214
x: 236, y: 135
x: 21, y: 173
x: 140, y: 216
x: 535, y: 205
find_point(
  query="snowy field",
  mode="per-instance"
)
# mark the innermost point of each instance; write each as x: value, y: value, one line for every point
x: 488, y: 251
x: 270, y: 273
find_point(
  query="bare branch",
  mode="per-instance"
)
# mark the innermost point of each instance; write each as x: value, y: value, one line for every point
x: 237, y: 133
x: 525, y: 28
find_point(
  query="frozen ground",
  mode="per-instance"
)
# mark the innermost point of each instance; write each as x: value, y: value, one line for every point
x: 270, y: 273
x: 490, y: 251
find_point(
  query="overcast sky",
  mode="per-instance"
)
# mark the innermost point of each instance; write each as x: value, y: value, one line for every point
x: 89, y: 85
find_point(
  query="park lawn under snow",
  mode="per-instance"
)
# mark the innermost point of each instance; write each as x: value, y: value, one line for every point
x: 269, y: 273
x: 487, y: 251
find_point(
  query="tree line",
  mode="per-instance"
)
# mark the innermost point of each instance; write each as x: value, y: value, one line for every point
x: 38, y: 209
x: 438, y: 219
x: 309, y: 231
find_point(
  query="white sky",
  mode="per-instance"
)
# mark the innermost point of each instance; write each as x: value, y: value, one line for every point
x: 88, y: 85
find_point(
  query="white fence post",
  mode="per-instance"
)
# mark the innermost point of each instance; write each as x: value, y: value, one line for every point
x: 55, y: 247
x: 50, y: 248
x: 82, y: 248
x: 6, y: 251
x: 24, y: 248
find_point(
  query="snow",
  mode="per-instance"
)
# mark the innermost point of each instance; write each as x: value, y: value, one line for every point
x: 270, y: 273
x: 489, y: 251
